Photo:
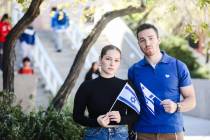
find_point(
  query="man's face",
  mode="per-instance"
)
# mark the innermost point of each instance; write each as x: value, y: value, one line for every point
x: 148, y: 42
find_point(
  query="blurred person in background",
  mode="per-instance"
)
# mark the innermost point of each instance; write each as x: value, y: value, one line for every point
x: 59, y: 23
x: 5, y: 27
x: 27, y: 40
x: 93, y: 72
x: 26, y: 69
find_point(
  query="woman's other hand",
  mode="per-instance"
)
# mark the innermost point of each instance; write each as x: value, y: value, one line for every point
x: 114, y: 116
x: 103, y: 120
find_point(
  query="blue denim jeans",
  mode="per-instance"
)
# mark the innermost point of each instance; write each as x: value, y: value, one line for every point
x: 112, y: 133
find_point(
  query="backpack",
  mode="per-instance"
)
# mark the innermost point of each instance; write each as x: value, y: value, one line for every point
x: 62, y: 19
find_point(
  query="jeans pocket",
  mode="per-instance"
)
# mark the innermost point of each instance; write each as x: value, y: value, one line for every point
x: 92, y: 132
x: 122, y: 133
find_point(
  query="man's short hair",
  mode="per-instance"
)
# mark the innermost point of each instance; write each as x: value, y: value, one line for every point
x: 146, y: 26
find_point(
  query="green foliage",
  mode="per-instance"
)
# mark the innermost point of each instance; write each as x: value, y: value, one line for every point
x: 16, y: 125
x: 20, y: 1
x: 204, y: 25
x: 132, y: 20
x: 178, y: 48
x: 203, y: 3
x: 24, y: 3
x: 172, y: 8
x: 150, y: 2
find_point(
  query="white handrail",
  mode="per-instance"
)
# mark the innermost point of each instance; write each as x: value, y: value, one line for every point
x: 47, y: 68
x: 74, y: 35
x: 42, y: 61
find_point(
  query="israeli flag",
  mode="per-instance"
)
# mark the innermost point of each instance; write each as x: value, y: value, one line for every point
x: 128, y: 97
x: 149, y: 98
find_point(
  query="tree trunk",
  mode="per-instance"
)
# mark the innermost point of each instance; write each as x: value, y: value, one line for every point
x: 63, y: 93
x: 9, y: 51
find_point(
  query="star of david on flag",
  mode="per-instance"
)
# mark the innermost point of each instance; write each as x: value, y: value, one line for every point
x: 128, y: 97
x: 149, y: 98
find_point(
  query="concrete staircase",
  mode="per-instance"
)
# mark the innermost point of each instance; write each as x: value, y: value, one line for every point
x: 63, y: 60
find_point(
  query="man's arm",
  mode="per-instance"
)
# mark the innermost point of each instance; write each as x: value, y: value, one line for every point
x: 186, y: 89
x: 189, y: 100
x: 187, y: 104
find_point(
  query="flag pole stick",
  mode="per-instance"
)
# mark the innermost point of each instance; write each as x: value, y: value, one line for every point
x: 158, y: 99
x: 113, y: 104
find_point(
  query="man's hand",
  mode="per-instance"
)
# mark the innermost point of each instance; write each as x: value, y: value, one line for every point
x: 169, y: 105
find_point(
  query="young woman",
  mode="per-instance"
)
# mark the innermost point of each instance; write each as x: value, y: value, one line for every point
x: 98, y: 96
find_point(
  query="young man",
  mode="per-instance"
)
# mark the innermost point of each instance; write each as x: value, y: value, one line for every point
x: 160, y: 80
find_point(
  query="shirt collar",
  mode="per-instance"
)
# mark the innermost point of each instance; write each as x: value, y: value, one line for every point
x: 165, y: 59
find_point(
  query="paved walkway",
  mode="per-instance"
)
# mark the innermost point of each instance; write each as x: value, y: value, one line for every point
x: 196, y: 128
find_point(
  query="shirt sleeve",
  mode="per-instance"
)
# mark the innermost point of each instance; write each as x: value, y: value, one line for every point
x: 183, y: 75
x: 80, y: 104
x: 130, y: 74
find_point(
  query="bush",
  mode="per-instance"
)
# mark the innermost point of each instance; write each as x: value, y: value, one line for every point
x: 15, y: 125
x: 178, y: 47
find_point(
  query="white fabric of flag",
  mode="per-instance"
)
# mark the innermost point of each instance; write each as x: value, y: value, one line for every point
x: 128, y: 97
x: 149, y: 98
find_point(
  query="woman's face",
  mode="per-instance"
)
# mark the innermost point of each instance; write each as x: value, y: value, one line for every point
x: 110, y: 63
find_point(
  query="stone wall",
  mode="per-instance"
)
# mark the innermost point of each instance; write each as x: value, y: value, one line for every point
x: 202, y: 109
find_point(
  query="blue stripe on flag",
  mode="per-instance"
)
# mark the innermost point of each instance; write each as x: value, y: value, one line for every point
x: 151, y: 110
x: 128, y: 103
x: 128, y: 88
x: 152, y: 102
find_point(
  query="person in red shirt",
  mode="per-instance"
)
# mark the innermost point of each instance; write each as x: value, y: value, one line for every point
x: 5, y: 28
x: 26, y: 69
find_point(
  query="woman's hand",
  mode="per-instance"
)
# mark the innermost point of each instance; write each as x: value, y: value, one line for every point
x: 114, y: 116
x: 103, y: 120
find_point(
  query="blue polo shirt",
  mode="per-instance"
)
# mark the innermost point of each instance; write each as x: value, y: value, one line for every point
x: 164, y: 81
